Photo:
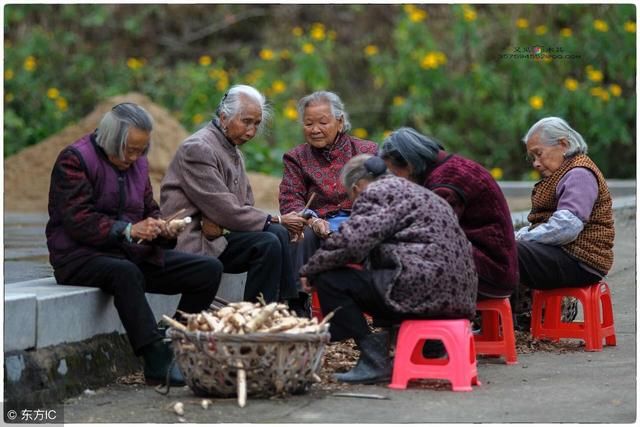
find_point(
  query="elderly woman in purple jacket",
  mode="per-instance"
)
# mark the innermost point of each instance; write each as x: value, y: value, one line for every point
x: 418, y: 263
x: 105, y: 231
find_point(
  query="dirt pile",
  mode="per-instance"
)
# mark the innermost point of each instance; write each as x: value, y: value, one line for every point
x: 27, y: 174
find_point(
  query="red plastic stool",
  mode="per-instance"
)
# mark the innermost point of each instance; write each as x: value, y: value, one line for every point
x: 596, y: 326
x: 497, y: 337
x: 459, y: 367
x: 315, y: 306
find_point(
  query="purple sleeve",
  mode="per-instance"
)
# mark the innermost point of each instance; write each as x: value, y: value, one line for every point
x: 577, y: 192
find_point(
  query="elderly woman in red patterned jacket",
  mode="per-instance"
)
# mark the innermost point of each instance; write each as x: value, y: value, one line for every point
x: 417, y: 262
x: 314, y: 168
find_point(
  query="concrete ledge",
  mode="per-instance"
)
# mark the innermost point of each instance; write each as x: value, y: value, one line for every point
x: 40, y: 313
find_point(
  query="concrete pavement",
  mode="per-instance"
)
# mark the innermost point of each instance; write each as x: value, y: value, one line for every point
x: 568, y: 385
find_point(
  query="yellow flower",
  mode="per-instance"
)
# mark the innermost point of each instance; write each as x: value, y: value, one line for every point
x: 409, y: 8
x: 297, y: 31
x: 566, y: 32
x: 398, y: 100
x: 8, y: 97
x: 497, y: 173
x: 278, y: 86
x: 604, y: 95
x: 386, y: 133
x: 254, y: 76
x: 594, y: 75
x: 30, y: 64
x: 571, y: 84
x: 222, y: 84
x: 308, y: 48
x: 522, y: 23
x: 134, y: 63
x: 469, y: 14
x: 433, y: 60
x: 534, y: 175
x: 197, y: 118
x: 360, y: 133
x: 62, y: 104
x: 371, y: 50
x: 205, y: 60
x: 541, y: 29
x: 600, y: 25
x: 596, y: 91
x: 615, y: 89
x: 53, y: 93
x: 317, y: 31
x: 291, y: 113
x: 8, y: 74
x: 418, y: 15
x: 536, y: 102
x: 266, y: 54
x: 285, y: 54
x: 630, y: 27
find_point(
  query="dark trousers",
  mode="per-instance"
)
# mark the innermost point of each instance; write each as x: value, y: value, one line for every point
x: 549, y: 267
x: 266, y: 259
x: 195, y: 277
x: 302, y: 250
x: 352, y: 293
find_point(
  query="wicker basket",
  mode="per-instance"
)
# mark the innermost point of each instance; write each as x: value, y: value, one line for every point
x: 274, y: 364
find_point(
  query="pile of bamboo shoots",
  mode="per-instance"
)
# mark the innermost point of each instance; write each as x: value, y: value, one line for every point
x: 248, y: 318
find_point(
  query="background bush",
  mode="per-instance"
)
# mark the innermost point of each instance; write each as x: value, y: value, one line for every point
x: 456, y: 72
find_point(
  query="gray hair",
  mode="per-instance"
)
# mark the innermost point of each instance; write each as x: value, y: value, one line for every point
x: 552, y: 130
x: 362, y: 166
x: 325, y: 97
x: 113, y: 129
x: 232, y: 103
x: 406, y: 147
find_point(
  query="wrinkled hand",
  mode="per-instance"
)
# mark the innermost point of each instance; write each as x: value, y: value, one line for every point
x: 320, y: 227
x: 169, y: 232
x: 147, y: 229
x: 306, y: 284
x: 293, y: 222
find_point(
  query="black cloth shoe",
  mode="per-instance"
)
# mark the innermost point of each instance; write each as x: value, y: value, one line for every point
x: 157, y: 361
x: 433, y: 349
x: 374, y: 364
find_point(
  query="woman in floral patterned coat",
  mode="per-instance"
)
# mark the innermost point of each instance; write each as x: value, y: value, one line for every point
x: 314, y: 168
x: 418, y: 263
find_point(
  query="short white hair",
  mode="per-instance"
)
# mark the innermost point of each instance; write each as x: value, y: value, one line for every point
x: 552, y: 130
x: 231, y: 103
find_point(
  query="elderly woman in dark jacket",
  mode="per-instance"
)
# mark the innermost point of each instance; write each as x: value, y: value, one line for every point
x: 418, y: 263
x: 105, y: 231
x: 207, y: 178
x: 314, y: 168
x: 475, y: 197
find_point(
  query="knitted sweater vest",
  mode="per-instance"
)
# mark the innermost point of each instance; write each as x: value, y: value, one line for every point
x: 594, y: 244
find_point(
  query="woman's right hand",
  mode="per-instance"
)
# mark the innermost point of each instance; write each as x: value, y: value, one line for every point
x: 147, y: 229
x: 320, y: 227
x: 293, y: 222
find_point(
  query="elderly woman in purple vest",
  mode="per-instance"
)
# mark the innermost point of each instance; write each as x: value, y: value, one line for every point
x: 418, y: 263
x: 569, y: 242
x: 475, y: 197
x: 207, y: 178
x: 105, y: 231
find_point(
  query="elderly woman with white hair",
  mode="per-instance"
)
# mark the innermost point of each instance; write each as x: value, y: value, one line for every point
x: 207, y: 178
x: 105, y: 231
x: 417, y: 263
x: 313, y: 168
x: 569, y: 242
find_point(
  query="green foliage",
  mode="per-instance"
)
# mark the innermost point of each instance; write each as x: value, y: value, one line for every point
x: 471, y: 76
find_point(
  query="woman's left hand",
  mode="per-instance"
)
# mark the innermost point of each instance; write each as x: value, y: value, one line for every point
x: 320, y: 227
x: 306, y: 284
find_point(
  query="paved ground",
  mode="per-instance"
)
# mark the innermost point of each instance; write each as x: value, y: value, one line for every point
x: 571, y: 386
